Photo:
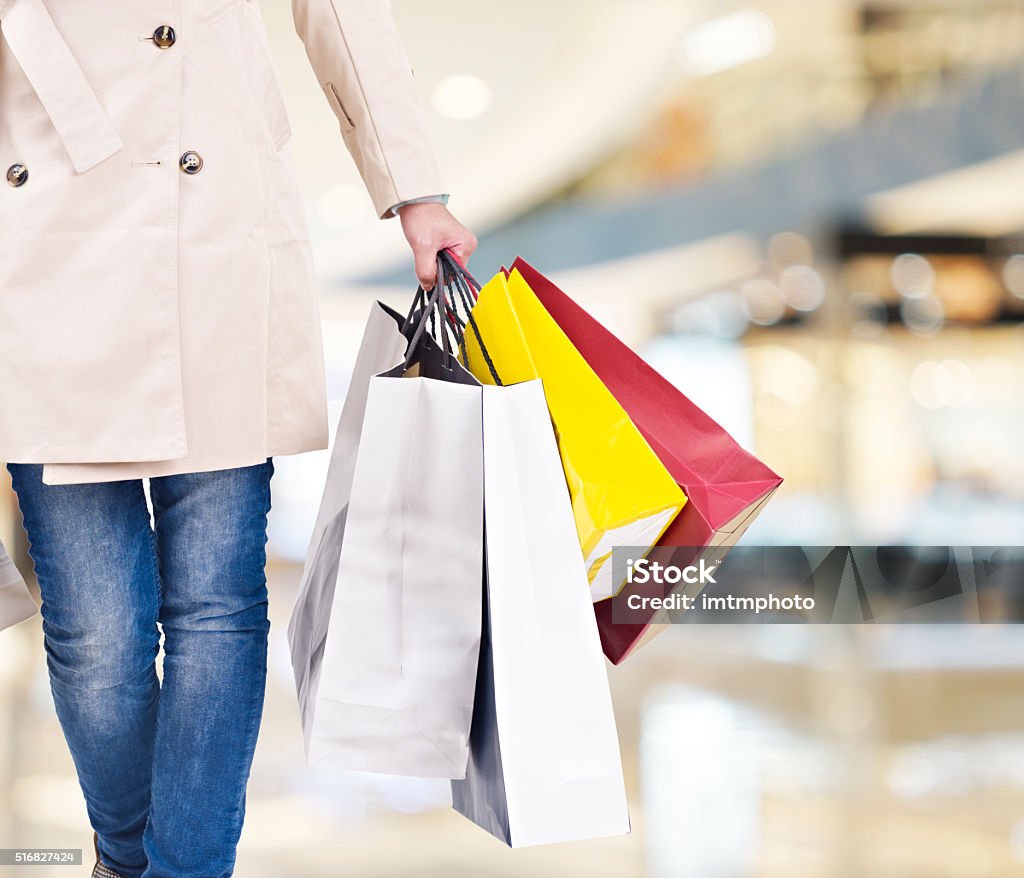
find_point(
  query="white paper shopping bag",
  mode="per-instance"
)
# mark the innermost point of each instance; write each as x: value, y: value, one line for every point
x: 386, y: 665
x: 16, y: 604
x: 544, y: 763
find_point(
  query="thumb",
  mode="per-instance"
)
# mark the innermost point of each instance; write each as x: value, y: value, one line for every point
x: 426, y: 267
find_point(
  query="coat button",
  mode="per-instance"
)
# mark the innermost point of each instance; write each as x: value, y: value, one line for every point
x: 17, y: 175
x: 191, y: 162
x: 164, y: 36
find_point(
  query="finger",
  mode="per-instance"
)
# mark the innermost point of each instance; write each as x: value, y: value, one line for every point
x: 463, y: 250
x: 456, y: 252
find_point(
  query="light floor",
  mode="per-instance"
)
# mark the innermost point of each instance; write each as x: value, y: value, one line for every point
x: 776, y: 752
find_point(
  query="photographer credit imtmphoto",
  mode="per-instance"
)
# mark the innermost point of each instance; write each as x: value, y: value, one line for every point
x: 492, y: 439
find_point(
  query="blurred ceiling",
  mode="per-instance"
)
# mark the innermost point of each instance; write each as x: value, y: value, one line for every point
x: 607, y: 103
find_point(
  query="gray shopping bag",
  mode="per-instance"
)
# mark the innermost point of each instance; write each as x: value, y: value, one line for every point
x: 16, y: 604
x: 382, y: 347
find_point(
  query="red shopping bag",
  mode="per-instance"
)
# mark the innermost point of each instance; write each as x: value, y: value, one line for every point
x: 727, y: 486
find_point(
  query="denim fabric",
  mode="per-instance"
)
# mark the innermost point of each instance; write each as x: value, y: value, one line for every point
x: 163, y: 767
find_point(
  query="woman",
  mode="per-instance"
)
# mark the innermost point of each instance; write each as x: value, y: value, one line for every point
x: 158, y: 320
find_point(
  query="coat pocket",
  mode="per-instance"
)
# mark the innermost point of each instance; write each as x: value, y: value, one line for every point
x: 261, y: 74
x: 334, y: 97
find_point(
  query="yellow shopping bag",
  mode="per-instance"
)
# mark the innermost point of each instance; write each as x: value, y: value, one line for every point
x: 621, y: 493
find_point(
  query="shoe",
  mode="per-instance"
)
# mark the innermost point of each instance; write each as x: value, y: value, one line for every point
x: 101, y: 870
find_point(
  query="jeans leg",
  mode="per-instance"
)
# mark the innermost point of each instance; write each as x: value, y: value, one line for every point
x: 211, y: 531
x: 96, y: 564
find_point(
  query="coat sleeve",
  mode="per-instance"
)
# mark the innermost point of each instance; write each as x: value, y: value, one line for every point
x: 358, y: 57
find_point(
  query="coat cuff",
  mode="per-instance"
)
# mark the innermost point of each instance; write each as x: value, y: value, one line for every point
x: 426, y: 199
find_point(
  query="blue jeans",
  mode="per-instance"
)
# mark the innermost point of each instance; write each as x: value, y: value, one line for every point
x: 163, y: 767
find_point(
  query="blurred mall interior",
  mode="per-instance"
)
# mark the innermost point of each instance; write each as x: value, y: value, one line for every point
x: 809, y: 217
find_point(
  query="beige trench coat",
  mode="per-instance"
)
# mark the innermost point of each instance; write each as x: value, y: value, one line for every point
x: 157, y: 309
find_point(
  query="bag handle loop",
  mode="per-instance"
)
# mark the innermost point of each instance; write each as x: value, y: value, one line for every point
x: 454, y: 286
x: 468, y: 290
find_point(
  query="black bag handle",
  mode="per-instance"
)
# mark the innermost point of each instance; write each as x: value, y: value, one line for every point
x: 428, y: 306
x: 454, y: 286
x: 458, y: 268
x: 467, y: 288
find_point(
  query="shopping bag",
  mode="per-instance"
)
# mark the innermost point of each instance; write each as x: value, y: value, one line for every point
x: 385, y: 635
x: 621, y: 493
x: 544, y: 755
x: 16, y: 604
x: 727, y: 486
x: 383, y: 346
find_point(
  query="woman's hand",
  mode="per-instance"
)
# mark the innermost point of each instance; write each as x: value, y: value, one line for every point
x: 430, y: 228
